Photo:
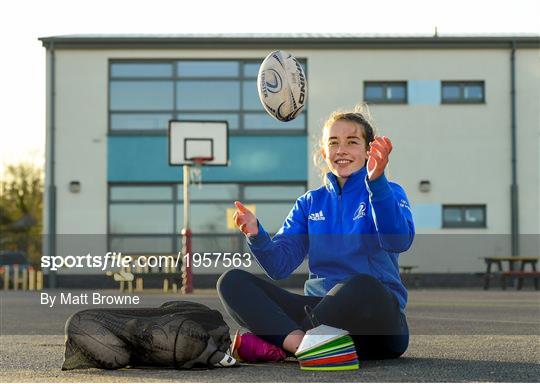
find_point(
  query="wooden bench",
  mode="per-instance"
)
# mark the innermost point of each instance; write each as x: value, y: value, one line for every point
x: 520, y: 275
x: 123, y: 277
x: 511, y: 272
x: 407, y: 268
x: 172, y: 277
x: 406, y: 276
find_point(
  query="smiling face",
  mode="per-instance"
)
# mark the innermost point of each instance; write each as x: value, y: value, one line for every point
x: 344, y: 149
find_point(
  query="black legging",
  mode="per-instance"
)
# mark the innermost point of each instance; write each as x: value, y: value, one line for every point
x: 361, y: 305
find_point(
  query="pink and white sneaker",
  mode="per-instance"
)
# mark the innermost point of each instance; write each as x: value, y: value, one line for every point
x: 251, y: 349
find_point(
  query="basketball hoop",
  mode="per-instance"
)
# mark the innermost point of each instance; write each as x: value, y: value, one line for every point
x: 195, y: 176
x: 193, y: 144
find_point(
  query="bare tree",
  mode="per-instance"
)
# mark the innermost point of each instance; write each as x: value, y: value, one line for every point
x: 21, y: 209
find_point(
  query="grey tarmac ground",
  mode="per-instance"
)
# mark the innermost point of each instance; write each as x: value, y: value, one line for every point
x: 456, y: 336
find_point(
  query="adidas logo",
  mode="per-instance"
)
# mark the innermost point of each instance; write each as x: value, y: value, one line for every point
x: 317, y: 216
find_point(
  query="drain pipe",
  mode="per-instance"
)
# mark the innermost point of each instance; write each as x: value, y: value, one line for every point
x: 52, y: 163
x: 514, y: 205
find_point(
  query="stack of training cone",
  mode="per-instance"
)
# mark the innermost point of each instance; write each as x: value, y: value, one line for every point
x: 326, y: 348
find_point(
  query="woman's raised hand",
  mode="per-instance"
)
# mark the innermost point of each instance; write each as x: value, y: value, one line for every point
x: 245, y: 220
x: 379, y: 150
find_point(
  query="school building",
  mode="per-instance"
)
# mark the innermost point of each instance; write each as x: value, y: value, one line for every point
x: 463, y: 114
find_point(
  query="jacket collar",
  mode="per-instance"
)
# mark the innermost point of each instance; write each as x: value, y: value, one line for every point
x: 354, y: 182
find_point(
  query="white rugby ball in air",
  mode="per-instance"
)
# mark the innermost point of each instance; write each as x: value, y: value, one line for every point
x: 282, y: 86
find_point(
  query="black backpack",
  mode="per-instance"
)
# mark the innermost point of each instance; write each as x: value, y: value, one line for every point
x: 179, y: 334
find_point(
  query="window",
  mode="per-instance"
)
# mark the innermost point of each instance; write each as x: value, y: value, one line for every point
x: 213, y: 243
x: 148, y: 218
x: 207, y: 95
x: 462, y: 92
x: 141, y: 70
x: 464, y: 216
x: 263, y: 120
x: 145, y: 95
x: 141, y: 95
x: 209, y: 192
x: 208, y: 69
x: 139, y: 121
x: 272, y: 215
x: 272, y: 192
x: 141, y: 218
x: 132, y: 245
x: 386, y: 92
x: 148, y: 193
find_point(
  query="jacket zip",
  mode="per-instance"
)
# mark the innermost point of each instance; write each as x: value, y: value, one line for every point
x: 340, y: 212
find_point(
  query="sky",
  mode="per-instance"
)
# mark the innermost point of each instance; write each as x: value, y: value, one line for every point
x: 22, y: 128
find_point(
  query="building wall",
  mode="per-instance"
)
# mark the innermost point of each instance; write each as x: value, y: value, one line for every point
x: 528, y: 138
x: 81, y: 140
x: 464, y: 150
x: 528, y: 142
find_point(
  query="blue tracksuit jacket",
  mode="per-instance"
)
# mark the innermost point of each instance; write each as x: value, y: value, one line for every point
x: 361, y: 228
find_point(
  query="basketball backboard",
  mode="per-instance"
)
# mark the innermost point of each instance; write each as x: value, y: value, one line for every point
x: 190, y: 141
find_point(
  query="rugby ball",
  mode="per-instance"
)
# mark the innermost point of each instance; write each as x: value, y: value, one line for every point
x: 282, y: 86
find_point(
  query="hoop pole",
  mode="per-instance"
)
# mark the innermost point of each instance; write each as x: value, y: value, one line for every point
x: 187, y: 278
x: 186, y: 195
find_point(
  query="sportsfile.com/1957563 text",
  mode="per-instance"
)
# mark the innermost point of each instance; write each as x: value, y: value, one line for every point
x: 113, y: 260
